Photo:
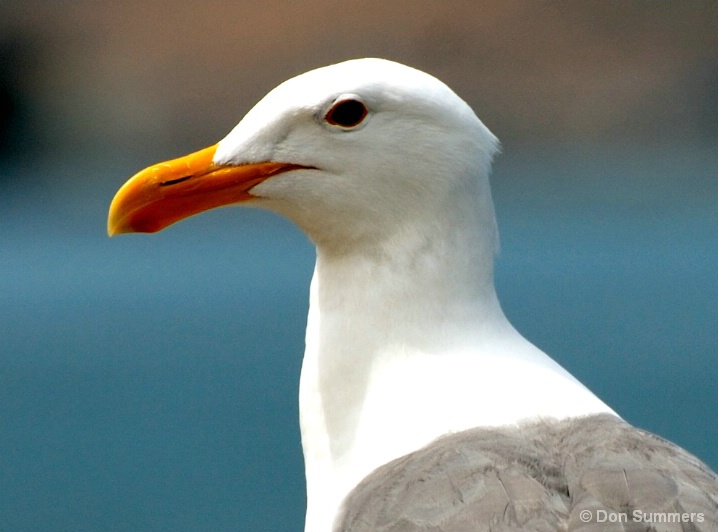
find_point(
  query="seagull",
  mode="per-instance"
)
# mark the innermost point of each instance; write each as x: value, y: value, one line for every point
x: 421, y: 407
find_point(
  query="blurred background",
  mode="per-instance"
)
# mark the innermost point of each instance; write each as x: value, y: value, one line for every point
x: 149, y: 383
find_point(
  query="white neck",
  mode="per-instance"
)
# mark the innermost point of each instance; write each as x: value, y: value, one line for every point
x: 406, y: 341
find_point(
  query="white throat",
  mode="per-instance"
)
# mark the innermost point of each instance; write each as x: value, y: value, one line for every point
x: 406, y: 341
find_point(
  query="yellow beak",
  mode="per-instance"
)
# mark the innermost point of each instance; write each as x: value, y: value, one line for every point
x: 168, y: 192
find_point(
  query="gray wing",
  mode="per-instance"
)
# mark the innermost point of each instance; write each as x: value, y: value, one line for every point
x: 590, y: 474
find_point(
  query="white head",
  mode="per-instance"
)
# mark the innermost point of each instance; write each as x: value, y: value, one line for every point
x: 351, y: 153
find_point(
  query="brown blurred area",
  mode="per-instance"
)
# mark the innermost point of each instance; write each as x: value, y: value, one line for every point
x: 177, y: 75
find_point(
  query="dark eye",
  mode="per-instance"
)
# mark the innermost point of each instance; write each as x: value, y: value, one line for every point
x: 346, y: 113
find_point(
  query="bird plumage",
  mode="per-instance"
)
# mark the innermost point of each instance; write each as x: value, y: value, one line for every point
x: 406, y: 340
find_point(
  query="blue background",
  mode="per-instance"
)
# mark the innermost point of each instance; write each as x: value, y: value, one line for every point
x: 149, y: 382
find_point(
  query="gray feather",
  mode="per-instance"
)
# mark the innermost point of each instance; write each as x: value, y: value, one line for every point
x: 539, y: 477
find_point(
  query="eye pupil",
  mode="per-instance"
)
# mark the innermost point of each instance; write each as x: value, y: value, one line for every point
x: 347, y: 113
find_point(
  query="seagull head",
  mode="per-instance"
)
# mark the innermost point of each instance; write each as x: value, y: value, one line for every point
x: 348, y: 152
